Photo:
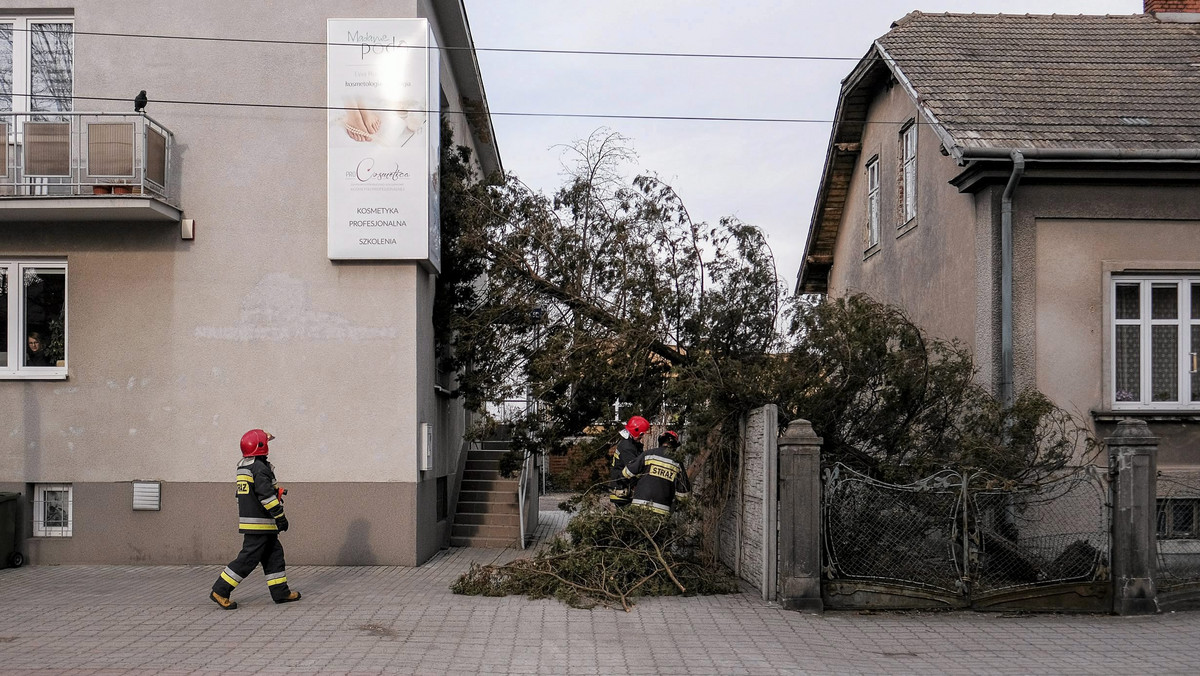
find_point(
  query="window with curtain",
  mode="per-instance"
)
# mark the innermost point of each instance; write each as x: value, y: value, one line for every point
x: 1155, y: 334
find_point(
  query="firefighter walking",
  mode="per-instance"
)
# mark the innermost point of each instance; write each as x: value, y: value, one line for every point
x: 260, y: 520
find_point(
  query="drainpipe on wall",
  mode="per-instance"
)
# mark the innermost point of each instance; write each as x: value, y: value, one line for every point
x: 1006, y: 279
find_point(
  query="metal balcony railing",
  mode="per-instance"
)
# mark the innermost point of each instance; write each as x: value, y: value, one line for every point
x: 69, y: 154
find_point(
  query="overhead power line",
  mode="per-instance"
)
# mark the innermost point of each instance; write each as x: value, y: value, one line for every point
x: 995, y: 59
x: 1072, y: 121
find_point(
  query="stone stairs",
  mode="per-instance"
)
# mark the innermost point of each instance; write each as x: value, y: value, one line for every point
x: 487, y: 514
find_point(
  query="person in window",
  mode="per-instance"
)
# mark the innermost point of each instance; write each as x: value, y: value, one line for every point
x: 36, y: 354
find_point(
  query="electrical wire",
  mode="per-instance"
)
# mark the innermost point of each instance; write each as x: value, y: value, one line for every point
x: 999, y: 58
x: 983, y: 126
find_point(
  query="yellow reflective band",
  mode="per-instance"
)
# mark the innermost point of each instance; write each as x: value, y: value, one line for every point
x: 271, y: 504
x: 232, y: 582
x: 278, y: 580
x: 259, y: 526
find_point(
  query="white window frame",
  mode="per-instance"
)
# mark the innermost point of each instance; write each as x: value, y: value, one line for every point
x: 22, y: 86
x: 908, y: 172
x: 15, y: 369
x: 1183, y: 320
x: 40, y: 529
x: 873, y: 202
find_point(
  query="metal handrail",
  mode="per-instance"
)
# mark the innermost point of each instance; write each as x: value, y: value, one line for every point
x: 521, y: 496
x: 43, y: 160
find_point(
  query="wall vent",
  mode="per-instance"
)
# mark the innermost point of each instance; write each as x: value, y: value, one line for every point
x: 147, y: 496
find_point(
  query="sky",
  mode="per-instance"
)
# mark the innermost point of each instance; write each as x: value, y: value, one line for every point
x: 764, y: 173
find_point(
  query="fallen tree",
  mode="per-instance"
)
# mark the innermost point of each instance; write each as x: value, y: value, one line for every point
x: 608, y: 557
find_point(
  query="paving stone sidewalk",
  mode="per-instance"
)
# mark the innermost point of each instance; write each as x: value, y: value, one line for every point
x: 395, y: 620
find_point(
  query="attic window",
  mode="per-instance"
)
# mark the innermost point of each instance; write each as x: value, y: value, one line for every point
x: 1135, y: 121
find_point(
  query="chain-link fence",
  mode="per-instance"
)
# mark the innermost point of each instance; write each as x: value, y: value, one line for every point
x: 1178, y: 526
x: 966, y: 534
x: 879, y: 531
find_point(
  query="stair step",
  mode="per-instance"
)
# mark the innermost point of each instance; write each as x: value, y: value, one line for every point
x: 512, y: 520
x: 487, y: 531
x: 484, y: 475
x: 491, y: 485
x: 485, y: 543
x: 488, y: 507
x: 492, y: 497
x: 487, y: 465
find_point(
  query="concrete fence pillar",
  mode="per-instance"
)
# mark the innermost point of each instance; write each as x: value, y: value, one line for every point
x: 1132, y: 464
x: 800, y: 518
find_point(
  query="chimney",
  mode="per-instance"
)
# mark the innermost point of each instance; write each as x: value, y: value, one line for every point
x: 1182, y: 11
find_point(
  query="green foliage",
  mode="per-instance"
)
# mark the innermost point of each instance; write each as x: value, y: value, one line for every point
x: 895, y: 404
x: 608, y: 558
x: 606, y: 299
x: 606, y: 292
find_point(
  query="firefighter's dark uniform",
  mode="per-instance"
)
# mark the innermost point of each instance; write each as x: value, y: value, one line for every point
x: 620, y: 485
x: 260, y: 515
x: 659, y: 480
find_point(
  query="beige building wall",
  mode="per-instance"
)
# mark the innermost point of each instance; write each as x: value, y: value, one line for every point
x: 1066, y: 257
x: 178, y: 347
x: 925, y: 266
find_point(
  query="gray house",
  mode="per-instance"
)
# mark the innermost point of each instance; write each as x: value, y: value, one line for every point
x: 1030, y: 185
x: 258, y: 248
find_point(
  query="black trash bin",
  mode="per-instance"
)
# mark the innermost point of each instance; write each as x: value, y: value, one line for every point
x: 9, y: 556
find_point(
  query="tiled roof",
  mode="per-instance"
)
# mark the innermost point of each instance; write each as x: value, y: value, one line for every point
x: 1054, y: 81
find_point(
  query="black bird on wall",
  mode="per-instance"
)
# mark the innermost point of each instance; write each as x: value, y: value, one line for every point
x: 139, y: 102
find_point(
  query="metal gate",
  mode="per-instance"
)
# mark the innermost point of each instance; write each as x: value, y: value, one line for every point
x: 1178, y: 539
x: 962, y: 540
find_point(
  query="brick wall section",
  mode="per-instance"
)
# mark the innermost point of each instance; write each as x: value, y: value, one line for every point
x: 1170, y: 6
x: 745, y: 506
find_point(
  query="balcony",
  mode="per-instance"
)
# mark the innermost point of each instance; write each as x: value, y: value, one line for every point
x: 86, y: 167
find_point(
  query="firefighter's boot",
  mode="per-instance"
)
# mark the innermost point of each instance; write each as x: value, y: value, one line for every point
x: 294, y: 596
x: 223, y: 601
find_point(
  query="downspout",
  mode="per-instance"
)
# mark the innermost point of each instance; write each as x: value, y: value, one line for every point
x: 1006, y: 280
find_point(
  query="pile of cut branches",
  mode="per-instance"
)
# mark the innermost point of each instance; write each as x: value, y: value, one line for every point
x: 606, y: 558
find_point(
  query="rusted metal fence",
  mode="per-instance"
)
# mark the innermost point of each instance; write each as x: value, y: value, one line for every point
x: 1178, y: 530
x: 966, y: 540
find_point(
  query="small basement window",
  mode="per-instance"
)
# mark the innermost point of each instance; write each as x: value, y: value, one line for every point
x: 53, y: 510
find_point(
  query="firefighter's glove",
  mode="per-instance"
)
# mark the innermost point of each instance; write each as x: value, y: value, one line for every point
x: 283, y: 524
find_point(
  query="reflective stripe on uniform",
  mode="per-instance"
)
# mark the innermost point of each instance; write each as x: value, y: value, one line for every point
x: 276, y: 578
x: 231, y: 577
x: 270, y: 503
x: 650, y: 504
x: 250, y: 523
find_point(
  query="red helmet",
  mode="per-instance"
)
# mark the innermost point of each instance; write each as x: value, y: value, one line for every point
x: 669, y: 437
x: 254, y: 442
x: 637, y: 426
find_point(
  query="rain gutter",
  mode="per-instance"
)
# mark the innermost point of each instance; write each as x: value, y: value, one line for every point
x: 1006, y: 279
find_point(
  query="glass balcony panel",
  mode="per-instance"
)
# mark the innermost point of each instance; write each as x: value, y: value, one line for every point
x: 110, y: 150
x: 47, y: 148
x: 156, y: 157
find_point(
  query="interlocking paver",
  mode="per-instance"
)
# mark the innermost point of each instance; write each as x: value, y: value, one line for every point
x: 393, y: 620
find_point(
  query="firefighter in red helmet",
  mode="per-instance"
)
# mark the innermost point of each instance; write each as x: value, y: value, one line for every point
x: 628, y: 448
x: 260, y: 520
